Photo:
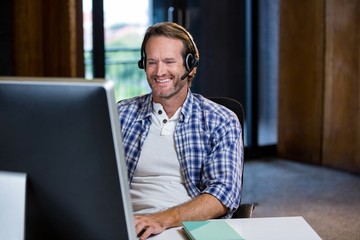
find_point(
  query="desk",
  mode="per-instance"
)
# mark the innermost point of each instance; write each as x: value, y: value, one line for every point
x: 278, y: 228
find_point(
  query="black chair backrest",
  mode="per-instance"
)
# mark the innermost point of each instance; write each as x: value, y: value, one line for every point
x: 234, y: 106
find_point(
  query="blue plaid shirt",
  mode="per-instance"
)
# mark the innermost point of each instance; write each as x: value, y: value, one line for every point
x: 208, y: 144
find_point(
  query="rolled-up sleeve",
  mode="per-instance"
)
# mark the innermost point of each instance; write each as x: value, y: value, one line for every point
x: 223, y: 167
x: 210, y: 151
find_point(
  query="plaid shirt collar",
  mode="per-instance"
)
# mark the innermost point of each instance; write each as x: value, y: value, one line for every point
x: 146, y: 110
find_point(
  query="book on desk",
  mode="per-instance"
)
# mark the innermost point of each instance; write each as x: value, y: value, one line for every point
x: 210, y: 230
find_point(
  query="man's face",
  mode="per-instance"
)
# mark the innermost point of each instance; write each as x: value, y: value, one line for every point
x: 164, y: 67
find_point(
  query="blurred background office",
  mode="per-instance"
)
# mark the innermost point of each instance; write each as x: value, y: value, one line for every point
x: 294, y: 65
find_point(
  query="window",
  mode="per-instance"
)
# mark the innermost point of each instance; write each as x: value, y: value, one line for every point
x: 125, y: 23
x: 268, y: 71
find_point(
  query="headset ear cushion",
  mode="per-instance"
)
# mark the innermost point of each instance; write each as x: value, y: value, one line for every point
x: 141, y: 64
x: 189, y: 61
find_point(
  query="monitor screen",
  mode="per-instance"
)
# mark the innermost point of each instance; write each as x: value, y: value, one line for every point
x: 65, y: 135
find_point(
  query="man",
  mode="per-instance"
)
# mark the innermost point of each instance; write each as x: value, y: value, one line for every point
x: 184, y: 153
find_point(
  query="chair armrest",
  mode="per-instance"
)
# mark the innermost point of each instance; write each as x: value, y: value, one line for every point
x: 244, y: 211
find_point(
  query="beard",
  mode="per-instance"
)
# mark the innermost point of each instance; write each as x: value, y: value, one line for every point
x: 171, y: 88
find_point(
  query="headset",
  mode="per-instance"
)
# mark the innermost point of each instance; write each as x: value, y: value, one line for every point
x: 190, y: 61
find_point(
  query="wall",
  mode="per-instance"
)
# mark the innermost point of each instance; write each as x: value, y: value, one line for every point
x: 319, y: 103
x: 341, y: 136
x: 47, y: 38
x: 220, y: 37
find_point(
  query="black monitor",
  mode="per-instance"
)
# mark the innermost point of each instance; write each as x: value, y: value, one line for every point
x: 65, y: 135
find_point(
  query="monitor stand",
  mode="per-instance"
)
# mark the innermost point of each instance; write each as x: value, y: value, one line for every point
x: 12, y: 205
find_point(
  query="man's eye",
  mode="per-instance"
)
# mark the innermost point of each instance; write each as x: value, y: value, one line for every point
x: 151, y: 63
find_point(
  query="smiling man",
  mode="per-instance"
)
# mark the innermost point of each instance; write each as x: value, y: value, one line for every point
x: 184, y: 153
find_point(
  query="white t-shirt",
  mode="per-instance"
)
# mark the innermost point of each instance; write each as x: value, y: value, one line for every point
x: 158, y: 183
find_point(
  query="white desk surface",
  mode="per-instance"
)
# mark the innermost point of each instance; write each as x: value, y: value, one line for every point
x: 277, y: 228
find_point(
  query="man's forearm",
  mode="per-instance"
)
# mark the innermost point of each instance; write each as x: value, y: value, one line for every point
x: 203, y: 207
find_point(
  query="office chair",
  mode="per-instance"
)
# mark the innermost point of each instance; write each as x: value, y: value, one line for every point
x: 245, y: 209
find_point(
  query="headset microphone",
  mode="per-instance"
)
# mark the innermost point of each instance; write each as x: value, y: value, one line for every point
x: 187, y: 73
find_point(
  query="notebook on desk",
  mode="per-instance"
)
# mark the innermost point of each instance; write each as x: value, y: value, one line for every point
x: 210, y: 230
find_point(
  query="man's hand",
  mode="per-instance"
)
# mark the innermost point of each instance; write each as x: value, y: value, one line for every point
x: 203, y: 207
x: 147, y: 225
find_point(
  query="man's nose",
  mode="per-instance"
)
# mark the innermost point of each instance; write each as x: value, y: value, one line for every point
x: 160, y: 69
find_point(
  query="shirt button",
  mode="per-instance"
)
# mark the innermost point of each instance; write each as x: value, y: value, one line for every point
x: 159, y: 112
x: 164, y: 121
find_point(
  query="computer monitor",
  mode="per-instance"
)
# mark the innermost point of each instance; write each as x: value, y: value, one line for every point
x: 65, y: 135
